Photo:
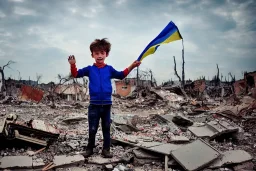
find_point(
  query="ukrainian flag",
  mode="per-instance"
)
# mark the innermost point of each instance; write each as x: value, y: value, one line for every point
x: 168, y: 34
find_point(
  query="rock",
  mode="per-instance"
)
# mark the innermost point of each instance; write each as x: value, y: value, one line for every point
x: 30, y: 153
x: 109, y: 167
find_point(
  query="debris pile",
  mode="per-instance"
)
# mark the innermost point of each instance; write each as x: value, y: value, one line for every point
x: 160, y: 129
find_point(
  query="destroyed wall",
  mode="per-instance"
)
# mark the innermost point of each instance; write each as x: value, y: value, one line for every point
x: 28, y: 92
x: 248, y: 81
x: 125, y: 87
x: 70, y: 92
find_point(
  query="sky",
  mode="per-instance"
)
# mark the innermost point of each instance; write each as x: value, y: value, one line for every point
x: 39, y: 35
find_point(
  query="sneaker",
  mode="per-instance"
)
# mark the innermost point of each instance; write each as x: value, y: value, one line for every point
x: 106, y: 153
x: 88, y: 153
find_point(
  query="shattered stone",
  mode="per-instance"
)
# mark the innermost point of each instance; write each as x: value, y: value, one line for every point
x: 109, y: 167
x: 16, y: 162
x: 30, y: 153
x: 73, y: 144
x: 38, y: 163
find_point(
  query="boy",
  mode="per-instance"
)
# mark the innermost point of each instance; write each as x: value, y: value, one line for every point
x: 100, y: 89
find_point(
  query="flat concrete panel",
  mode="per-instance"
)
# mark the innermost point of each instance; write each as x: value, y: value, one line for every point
x: 201, y: 131
x: 101, y: 160
x: 67, y: 160
x: 216, y: 126
x: 144, y: 155
x: 195, y: 155
x: 228, y: 125
x: 16, y: 162
x: 38, y: 163
x: 232, y: 157
x: 149, y: 144
x: 166, y: 148
x: 168, y: 117
x: 179, y: 139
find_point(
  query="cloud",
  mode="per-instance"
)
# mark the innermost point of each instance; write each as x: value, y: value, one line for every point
x: 40, y: 35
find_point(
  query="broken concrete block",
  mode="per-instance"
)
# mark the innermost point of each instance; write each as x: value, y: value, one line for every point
x: 67, y: 160
x: 30, y: 153
x: 201, y: 131
x: 16, y: 162
x: 195, y: 155
x: 232, y: 157
x: 141, y: 154
x: 149, y: 144
x: 101, y: 160
x: 179, y: 139
x: 216, y: 126
x: 182, y: 121
x: 38, y: 163
x: 109, y: 167
x: 165, y: 148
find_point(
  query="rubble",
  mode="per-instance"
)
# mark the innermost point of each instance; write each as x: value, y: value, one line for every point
x: 161, y: 129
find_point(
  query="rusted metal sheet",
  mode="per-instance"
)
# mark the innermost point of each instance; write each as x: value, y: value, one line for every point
x: 31, y: 93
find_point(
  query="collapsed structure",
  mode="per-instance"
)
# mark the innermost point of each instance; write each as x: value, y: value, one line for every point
x: 200, y: 127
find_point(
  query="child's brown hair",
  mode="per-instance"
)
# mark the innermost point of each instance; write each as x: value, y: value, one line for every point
x: 100, y: 45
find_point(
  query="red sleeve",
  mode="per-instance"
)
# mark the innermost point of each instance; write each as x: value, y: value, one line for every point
x: 126, y: 72
x: 73, y: 70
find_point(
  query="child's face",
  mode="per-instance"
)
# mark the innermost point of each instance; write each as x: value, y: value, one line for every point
x: 99, y: 56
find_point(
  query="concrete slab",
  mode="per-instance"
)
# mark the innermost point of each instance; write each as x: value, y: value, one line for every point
x: 38, y: 163
x: 228, y: 125
x: 213, y: 129
x: 195, y: 155
x: 165, y: 148
x: 141, y: 154
x: 232, y: 157
x: 201, y: 131
x: 216, y: 126
x: 168, y: 117
x: 16, y: 162
x: 148, y: 144
x: 72, y: 169
x: 64, y: 160
x: 179, y: 139
x: 100, y: 160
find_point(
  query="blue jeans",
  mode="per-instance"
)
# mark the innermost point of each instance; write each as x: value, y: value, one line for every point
x: 95, y: 113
